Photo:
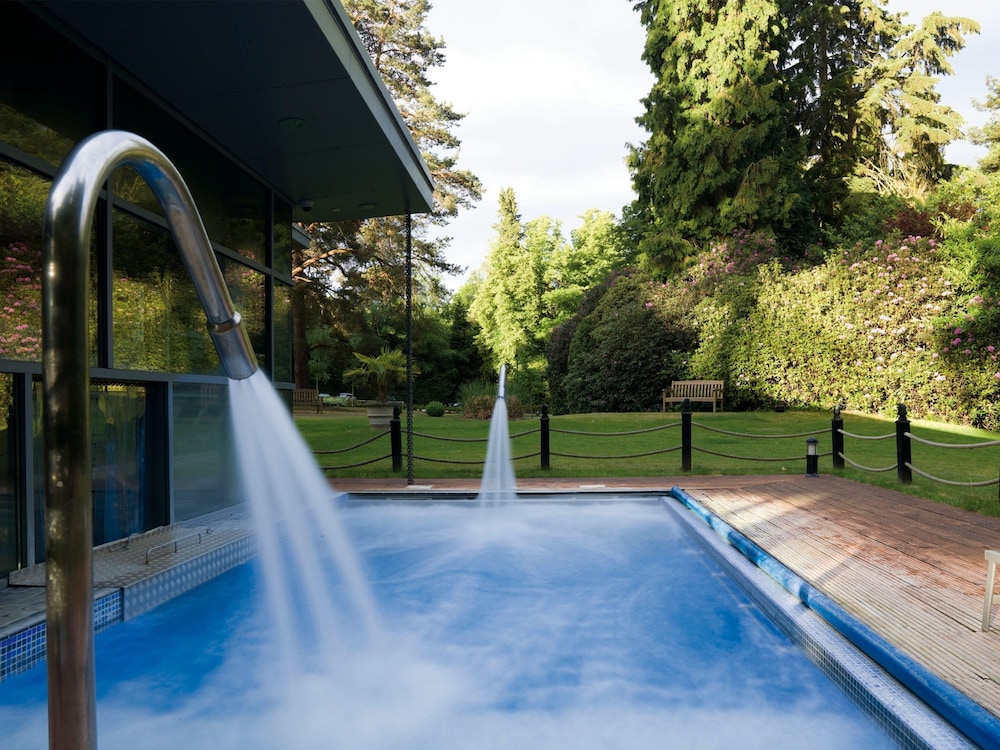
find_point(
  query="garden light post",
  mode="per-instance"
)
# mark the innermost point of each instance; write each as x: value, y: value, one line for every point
x: 812, y: 456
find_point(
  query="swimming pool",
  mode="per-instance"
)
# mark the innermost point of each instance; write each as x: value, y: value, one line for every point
x: 528, y: 625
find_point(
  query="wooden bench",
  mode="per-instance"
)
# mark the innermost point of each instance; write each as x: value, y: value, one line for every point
x: 307, y: 398
x: 705, y: 391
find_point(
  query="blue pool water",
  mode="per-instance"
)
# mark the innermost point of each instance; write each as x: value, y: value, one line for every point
x: 525, y: 626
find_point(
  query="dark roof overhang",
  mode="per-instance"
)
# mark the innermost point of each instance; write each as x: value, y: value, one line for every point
x: 286, y: 87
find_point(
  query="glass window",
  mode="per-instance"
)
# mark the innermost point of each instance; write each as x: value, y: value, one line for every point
x: 51, y: 93
x: 22, y: 205
x: 118, y: 425
x: 246, y: 287
x: 282, y: 333
x: 9, y: 531
x: 158, y: 321
x: 202, y: 447
x: 127, y: 463
x: 232, y: 205
x: 281, y: 261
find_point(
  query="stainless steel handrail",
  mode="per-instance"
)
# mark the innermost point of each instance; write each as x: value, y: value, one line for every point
x: 174, y: 542
x: 66, y: 403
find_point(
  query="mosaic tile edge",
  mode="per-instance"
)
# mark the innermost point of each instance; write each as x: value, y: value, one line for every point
x: 910, y: 723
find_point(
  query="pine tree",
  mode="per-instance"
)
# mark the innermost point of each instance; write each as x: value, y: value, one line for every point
x: 507, y: 304
x: 764, y: 111
x: 718, y: 154
x: 989, y: 134
x: 352, y: 265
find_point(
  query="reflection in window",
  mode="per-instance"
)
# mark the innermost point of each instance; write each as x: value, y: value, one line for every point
x: 118, y: 437
x: 51, y: 93
x: 281, y: 260
x: 22, y: 205
x: 282, y: 333
x: 202, y: 450
x: 128, y: 489
x: 246, y: 287
x: 231, y: 203
x: 8, y: 477
x: 158, y: 321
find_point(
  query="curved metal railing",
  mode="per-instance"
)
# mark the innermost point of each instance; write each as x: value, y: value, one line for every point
x: 66, y: 402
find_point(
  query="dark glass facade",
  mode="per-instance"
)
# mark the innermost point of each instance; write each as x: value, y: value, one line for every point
x: 160, y: 435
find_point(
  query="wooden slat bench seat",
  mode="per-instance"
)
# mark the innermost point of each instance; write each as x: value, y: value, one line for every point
x: 704, y: 391
x: 306, y: 398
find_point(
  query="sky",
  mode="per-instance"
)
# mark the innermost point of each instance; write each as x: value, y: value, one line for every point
x: 550, y: 90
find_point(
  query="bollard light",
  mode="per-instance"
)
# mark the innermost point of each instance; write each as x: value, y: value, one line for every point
x: 812, y: 457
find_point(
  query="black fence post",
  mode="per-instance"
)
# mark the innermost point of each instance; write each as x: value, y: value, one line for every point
x: 903, y: 457
x: 544, y: 436
x: 396, y: 440
x: 686, y: 435
x: 837, y: 438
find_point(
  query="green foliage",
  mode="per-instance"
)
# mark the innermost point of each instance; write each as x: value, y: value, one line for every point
x: 619, y: 354
x: 871, y: 327
x: 904, y: 320
x: 434, y: 409
x: 989, y: 134
x: 507, y: 305
x: 718, y: 155
x: 763, y: 112
x: 381, y: 372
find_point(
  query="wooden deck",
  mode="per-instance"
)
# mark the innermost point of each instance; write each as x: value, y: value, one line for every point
x: 912, y: 570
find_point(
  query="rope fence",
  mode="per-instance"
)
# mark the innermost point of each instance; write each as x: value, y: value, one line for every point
x: 903, y: 436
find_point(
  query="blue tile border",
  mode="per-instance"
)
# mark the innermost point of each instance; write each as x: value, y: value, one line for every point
x: 148, y: 593
x: 911, y: 722
x: 24, y: 649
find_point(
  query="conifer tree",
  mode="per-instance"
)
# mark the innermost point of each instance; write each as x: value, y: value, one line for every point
x: 719, y: 154
x: 763, y: 112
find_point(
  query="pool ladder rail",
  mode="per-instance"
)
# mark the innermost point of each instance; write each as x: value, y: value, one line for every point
x: 66, y: 235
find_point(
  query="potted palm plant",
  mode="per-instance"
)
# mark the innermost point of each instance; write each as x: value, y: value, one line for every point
x: 382, y: 372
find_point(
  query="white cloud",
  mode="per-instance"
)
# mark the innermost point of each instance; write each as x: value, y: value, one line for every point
x: 551, y: 89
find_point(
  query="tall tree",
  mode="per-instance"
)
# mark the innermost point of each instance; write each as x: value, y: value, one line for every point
x: 351, y: 265
x: 507, y: 305
x: 718, y: 154
x: 989, y: 134
x: 908, y: 126
x: 597, y: 247
x: 764, y: 110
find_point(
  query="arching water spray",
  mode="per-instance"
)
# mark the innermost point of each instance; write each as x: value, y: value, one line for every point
x: 273, y: 460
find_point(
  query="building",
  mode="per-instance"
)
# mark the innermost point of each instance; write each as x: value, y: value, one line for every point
x: 273, y: 113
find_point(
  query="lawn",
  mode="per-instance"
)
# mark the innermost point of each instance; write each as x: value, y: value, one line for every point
x: 648, y: 444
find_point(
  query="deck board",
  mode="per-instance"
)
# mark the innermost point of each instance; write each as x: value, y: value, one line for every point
x: 910, y: 569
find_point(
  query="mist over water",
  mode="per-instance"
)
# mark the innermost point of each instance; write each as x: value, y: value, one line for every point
x: 538, y: 626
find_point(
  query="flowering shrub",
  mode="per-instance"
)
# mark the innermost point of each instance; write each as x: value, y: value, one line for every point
x: 21, y: 303
x: 873, y: 326
x: 884, y: 322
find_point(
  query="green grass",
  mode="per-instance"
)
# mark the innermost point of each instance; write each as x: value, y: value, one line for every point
x: 342, y: 428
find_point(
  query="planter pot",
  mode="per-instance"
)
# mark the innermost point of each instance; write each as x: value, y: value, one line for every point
x: 379, y: 414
